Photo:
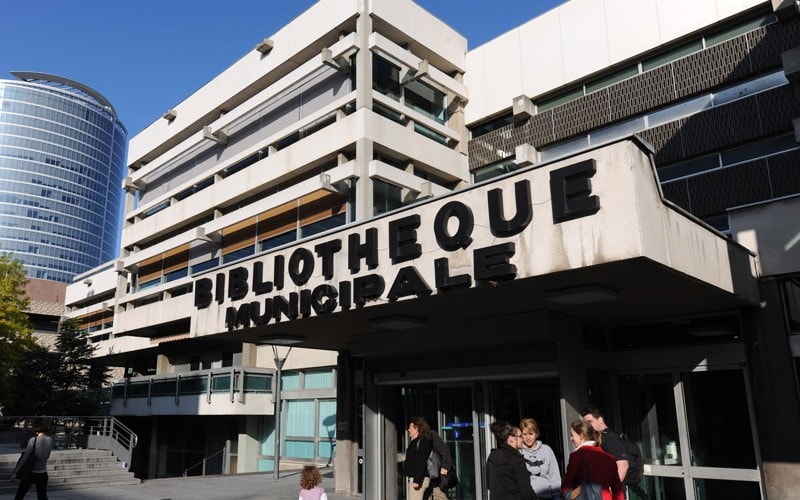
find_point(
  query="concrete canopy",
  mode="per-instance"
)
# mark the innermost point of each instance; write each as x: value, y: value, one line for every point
x: 589, y: 236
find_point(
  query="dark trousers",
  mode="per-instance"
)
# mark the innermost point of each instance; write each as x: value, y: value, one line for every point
x: 40, y: 480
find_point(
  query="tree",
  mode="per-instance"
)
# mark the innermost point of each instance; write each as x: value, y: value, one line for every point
x: 16, y: 331
x: 80, y: 374
x: 60, y: 382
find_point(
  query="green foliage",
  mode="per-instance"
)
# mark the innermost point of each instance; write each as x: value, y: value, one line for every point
x: 58, y: 383
x: 16, y: 331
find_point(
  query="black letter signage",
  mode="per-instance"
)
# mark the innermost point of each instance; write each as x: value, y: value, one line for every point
x: 571, y: 191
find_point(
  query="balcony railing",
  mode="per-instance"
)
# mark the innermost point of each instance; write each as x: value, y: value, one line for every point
x: 211, y: 384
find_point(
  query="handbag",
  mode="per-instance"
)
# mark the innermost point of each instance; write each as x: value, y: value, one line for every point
x: 586, y: 490
x: 449, y: 480
x: 434, y: 464
x: 25, y: 469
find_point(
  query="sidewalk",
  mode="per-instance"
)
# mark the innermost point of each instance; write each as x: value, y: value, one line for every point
x: 236, y: 487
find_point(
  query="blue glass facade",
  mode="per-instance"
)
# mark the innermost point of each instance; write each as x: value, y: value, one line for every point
x: 62, y: 160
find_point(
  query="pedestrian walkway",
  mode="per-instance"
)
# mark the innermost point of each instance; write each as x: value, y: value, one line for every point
x: 235, y: 487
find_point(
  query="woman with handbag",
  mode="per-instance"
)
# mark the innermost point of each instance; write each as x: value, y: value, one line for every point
x: 415, y: 466
x: 38, y: 448
x: 591, y: 473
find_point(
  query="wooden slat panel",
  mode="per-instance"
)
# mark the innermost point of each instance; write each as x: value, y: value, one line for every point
x: 150, y: 271
x: 239, y: 235
x: 175, y: 261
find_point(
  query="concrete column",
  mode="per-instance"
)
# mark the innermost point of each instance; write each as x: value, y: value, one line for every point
x: 374, y: 460
x: 344, y: 460
x: 249, y: 445
x: 152, y: 461
x: 162, y: 364
x: 249, y: 355
x: 572, y: 372
x: 364, y: 147
x: 390, y: 418
x: 775, y: 393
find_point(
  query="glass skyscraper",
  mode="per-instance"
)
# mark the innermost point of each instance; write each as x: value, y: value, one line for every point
x: 62, y: 158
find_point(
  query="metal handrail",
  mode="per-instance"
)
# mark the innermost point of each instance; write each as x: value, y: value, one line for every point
x: 204, y: 461
x: 96, y: 432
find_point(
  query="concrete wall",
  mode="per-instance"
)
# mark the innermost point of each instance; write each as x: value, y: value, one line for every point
x: 577, y: 39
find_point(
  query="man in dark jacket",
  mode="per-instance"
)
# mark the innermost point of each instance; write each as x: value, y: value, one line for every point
x: 446, y: 463
x: 609, y: 440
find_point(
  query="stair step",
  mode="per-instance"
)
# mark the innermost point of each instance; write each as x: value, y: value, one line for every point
x: 72, y: 469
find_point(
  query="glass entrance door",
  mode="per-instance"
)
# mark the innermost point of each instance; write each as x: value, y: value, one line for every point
x: 696, y: 434
x: 458, y: 422
x: 460, y: 412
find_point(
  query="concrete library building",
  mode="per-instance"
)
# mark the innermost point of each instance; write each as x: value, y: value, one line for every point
x: 363, y: 220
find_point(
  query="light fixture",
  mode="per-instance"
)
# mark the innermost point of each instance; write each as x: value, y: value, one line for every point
x: 522, y: 107
x: 280, y: 340
x: 87, y: 282
x: 131, y: 185
x: 525, y: 154
x: 218, y: 136
x: 119, y: 268
x: 408, y: 74
x: 265, y: 46
x: 710, y: 332
x: 398, y: 322
x: 425, y: 190
x: 170, y: 115
x: 325, y: 183
x: 577, y: 295
x: 212, y: 236
x: 338, y: 63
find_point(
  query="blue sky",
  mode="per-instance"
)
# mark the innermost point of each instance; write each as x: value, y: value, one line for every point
x: 146, y: 56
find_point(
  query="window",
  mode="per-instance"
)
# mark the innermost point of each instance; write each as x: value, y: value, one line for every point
x: 300, y: 423
x: 290, y: 381
x: 386, y: 78
x: 279, y: 240
x: 238, y: 254
x: 494, y: 170
x: 323, y: 225
x: 426, y: 100
x: 491, y: 125
x: 319, y: 379
x: 385, y: 197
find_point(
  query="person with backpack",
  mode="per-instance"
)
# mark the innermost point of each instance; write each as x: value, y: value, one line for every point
x: 39, y: 447
x: 415, y: 466
x: 436, y: 489
x: 629, y: 461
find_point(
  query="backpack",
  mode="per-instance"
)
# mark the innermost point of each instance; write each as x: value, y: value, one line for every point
x: 635, y: 461
x: 433, y: 463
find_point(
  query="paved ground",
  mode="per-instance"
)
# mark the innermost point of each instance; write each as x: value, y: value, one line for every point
x: 238, y: 487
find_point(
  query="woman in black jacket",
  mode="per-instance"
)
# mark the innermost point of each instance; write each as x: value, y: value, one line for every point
x: 506, y: 473
x: 415, y: 467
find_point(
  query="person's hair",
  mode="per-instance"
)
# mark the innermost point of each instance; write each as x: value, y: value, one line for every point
x: 502, y: 430
x: 530, y: 425
x: 41, y: 425
x: 422, y: 426
x: 592, y: 410
x: 583, y: 429
x: 310, y: 477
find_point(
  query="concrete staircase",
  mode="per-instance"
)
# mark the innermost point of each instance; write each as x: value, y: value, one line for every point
x: 70, y: 469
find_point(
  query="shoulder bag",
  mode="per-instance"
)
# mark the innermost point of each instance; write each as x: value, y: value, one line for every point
x: 25, y: 469
x: 586, y: 490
